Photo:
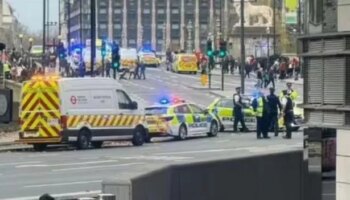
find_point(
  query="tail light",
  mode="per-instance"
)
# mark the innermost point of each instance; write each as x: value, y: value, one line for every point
x: 64, y: 120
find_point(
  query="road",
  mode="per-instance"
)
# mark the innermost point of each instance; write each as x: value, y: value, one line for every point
x: 62, y: 171
x: 160, y: 83
x: 65, y: 171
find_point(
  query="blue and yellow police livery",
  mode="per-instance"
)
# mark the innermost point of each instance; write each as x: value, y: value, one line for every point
x: 180, y: 120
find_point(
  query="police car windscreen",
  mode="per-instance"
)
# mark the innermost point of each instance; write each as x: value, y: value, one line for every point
x: 156, y: 110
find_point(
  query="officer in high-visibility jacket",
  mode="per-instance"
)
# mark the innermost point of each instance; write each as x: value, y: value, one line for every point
x: 259, y: 105
x: 7, y: 70
x: 292, y: 93
x: 287, y: 112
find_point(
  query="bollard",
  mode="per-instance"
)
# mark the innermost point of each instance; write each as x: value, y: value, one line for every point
x: 106, y: 197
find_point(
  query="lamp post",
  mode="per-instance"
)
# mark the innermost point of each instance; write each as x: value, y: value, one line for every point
x: 21, y: 40
x: 189, y: 36
x: 164, y: 37
x: 268, y: 47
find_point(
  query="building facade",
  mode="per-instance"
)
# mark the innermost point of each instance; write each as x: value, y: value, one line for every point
x: 8, y: 25
x: 325, y: 49
x: 161, y: 23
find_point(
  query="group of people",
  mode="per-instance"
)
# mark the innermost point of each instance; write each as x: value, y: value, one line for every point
x: 268, y: 109
x: 137, y: 71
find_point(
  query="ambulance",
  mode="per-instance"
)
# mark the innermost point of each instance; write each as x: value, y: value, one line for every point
x: 80, y: 111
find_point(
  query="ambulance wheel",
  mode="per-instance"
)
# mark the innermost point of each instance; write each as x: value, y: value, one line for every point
x: 139, y: 137
x: 97, y: 144
x: 83, y: 139
x: 39, y: 147
x: 182, y: 132
x: 213, y: 129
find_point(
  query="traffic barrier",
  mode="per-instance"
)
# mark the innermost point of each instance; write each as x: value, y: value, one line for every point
x: 274, y: 176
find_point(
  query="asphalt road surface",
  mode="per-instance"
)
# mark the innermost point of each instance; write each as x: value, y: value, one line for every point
x: 24, y: 175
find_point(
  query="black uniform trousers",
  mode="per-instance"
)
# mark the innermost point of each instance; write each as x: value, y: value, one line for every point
x: 288, y: 120
x: 261, y: 126
x: 273, y: 123
x: 239, y: 117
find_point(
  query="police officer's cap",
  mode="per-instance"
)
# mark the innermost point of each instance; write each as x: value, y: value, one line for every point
x: 289, y: 83
x: 238, y: 88
x: 272, y: 89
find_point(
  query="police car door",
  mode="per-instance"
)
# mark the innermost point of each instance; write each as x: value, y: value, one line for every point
x: 225, y: 112
x: 184, y: 115
x: 200, y: 119
x: 127, y: 111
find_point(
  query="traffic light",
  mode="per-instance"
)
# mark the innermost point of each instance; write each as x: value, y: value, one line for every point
x: 222, y: 48
x: 115, y: 56
x: 103, y: 49
x: 210, y: 51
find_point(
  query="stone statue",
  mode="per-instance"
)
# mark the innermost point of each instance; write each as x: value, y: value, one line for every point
x: 254, y: 15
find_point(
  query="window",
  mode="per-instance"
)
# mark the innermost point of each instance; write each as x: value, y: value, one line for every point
x: 117, y: 11
x: 175, y: 11
x: 146, y: 11
x: 103, y: 11
x: 160, y: 11
x: 182, y: 109
x: 124, y: 101
x: 226, y: 103
x: 175, y: 26
x: 117, y: 26
x: 103, y: 26
x: 316, y: 11
x: 196, y: 109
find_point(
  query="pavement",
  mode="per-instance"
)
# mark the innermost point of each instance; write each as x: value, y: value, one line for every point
x: 61, y: 170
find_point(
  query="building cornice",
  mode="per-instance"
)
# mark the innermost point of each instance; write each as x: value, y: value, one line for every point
x: 324, y: 35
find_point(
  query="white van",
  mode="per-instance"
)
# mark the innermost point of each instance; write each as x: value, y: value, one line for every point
x: 82, y: 111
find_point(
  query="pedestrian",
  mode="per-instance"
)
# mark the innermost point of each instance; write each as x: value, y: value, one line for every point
x: 260, y: 108
x: 232, y: 64
x: 142, y: 70
x: 108, y: 68
x: 259, y: 76
x: 137, y: 70
x: 288, y: 113
x: 271, y: 75
x: 274, y: 106
x: 266, y: 78
x: 238, y: 111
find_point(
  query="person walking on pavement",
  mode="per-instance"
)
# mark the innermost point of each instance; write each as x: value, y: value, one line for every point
x: 274, y: 105
x: 259, y: 105
x: 287, y: 112
x: 238, y: 111
x: 142, y: 70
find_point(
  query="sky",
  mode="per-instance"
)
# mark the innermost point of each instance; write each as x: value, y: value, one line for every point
x: 30, y: 12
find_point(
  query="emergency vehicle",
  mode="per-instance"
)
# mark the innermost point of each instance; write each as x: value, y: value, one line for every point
x: 80, y: 111
x: 223, y: 109
x: 185, y: 63
x: 149, y: 59
x: 179, y: 119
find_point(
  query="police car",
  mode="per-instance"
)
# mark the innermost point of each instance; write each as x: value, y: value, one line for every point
x: 222, y: 108
x: 180, y: 119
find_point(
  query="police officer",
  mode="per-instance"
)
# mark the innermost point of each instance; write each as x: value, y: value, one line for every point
x: 274, y: 104
x: 293, y: 94
x: 259, y: 105
x: 238, y: 111
x: 287, y: 112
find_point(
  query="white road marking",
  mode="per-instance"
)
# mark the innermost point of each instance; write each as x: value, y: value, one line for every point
x: 43, y: 155
x: 96, y: 167
x: 19, y: 163
x: 73, y: 194
x: 68, y: 164
x: 165, y: 158
x: 63, y: 184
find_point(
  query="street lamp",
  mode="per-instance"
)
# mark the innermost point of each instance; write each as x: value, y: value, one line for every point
x: 268, y: 46
x: 21, y: 40
x: 189, y: 36
x: 30, y: 43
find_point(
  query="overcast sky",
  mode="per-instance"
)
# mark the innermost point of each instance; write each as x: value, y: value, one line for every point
x: 30, y: 12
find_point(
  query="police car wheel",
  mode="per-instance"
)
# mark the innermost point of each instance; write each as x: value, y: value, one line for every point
x: 83, y: 140
x: 213, y: 129
x: 139, y: 137
x: 182, y: 132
